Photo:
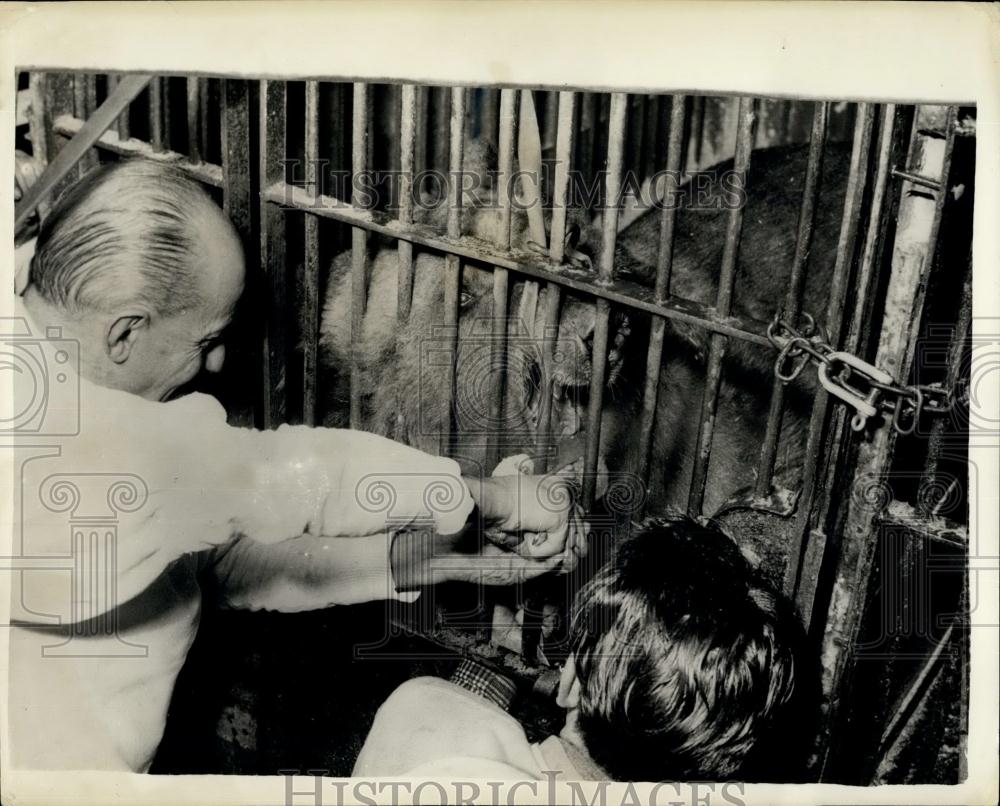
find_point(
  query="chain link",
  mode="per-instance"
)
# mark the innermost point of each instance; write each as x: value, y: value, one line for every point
x: 866, y: 388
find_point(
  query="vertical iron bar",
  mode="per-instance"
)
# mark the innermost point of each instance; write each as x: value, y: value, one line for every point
x: 879, y: 190
x: 723, y: 303
x: 420, y: 136
x: 194, y: 147
x: 310, y: 279
x: 616, y: 144
x: 919, y: 216
x: 168, y: 137
x: 806, y: 549
x: 272, y: 138
x: 441, y: 127
x: 664, y: 263
x: 956, y: 351
x: 156, y: 114
x: 203, y: 111
x: 793, y: 299
x: 244, y: 350
x: 404, y: 289
x: 122, y: 123
x: 359, y: 245
x: 39, y: 124
x: 498, y: 340
x: 407, y: 141
x: 452, y: 264
x: 553, y: 297
x: 647, y: 165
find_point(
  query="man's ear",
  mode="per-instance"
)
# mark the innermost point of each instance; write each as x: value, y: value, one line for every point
x: 122, y: 336
x: 568, y: 695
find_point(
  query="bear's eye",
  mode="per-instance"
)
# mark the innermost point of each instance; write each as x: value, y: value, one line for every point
x: 466, y: 298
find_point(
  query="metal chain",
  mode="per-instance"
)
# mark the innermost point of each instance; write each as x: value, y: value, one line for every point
x: 863, y: 386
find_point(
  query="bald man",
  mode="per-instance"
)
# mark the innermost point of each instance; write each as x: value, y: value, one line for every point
x: 136, y: 275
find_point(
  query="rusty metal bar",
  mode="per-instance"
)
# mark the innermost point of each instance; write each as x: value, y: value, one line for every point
x: 846, y: 248
x: 168, y: 137
x: 204, y: 172
x: 880, y: 189
x: 39, y: 117
x: 239, y: 203
x: 529, y: 264
x: 664, y: 263
x: 617, y: 117
x: 311, y: 270
x: 956, y: 351
x: 793, y: 299
x: 553, y: 297
x: 420, y: 136
x: 194, y: 147
x: 452, y: 263
x: 155, y: 114
x: 64, y: 162
x: 647, y: 164
x: 407, y: 140
x: 404, y: 249
x: 439, y: 141
x: 727, y: 278
x: 359, y: 245
x: 203, y: 112
x: 919, y: 217
x: 498, y: 337
x: 122, y: 122
x: 272, y: 138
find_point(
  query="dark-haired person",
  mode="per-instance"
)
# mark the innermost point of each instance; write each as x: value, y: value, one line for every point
x: 135, y: 276
x: 683, y: 667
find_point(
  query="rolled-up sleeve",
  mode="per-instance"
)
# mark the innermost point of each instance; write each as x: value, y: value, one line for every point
x: 176, y: 478
x: 305, y: 573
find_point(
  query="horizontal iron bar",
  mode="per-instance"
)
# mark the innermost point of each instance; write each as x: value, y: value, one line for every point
x: 622, y: 292
x: 917, y: 179
x: 68, y: 126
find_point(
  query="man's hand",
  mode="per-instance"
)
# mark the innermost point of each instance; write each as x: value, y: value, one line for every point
x: 420, y: 558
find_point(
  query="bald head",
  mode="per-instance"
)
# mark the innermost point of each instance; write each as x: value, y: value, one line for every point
x: 128, y: 233
x: 138, y: 265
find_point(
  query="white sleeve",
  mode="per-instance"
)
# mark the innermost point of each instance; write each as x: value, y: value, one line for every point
x: 306, y: 573
x: 177, y: 479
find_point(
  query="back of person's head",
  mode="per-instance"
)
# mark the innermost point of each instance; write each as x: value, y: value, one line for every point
x: 125, y: 232
x: 688, y: 667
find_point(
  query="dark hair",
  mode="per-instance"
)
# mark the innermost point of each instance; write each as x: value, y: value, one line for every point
x: 687, y: 664
x: 123, y: 232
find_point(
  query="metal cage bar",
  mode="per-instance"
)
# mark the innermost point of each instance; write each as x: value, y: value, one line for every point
x: 793, y: 300
x: 664, y: 264
x: 617, y: 118
x: 553, y: 293
x: 156, y: 114
x: 310, y: 267
x: 359, y: 244
x: 919, y: 217
x: 404, y: 249
x: 193, y: 113
x: 122, y: 122
x: 723, y: 303
x: 452, y: 263
x: 846, y: 249
x: 498, y: 337
x: 272, y: 137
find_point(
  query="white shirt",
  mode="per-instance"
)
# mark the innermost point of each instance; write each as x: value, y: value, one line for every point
x: 433, y: 728
x: 122, y: 501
